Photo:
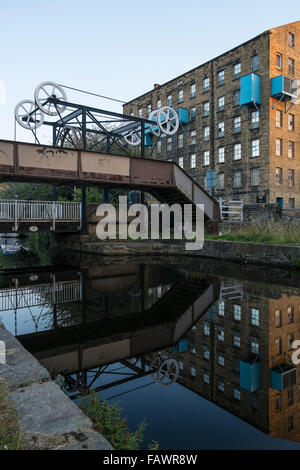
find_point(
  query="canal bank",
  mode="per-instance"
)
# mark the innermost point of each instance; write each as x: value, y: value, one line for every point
x: 48, y: 418
x: 287, y: 256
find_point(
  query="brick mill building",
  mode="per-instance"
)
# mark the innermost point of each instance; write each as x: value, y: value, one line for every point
x: 239, y: 117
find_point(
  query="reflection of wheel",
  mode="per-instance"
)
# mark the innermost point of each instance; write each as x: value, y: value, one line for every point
x: 154, y: 366
x: 168, y: 120
x: 27, y: 115
x: 154, y: 128
x: 132, y: 139
x: 168, y: 372
x: 47, y: 90
x: 69, y: 137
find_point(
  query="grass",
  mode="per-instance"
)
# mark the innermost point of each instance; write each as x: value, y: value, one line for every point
x: 264, y: 232
x: 108, y: 421
x: 10, y: 430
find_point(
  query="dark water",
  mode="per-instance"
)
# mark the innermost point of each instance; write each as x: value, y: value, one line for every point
x: 196, y: 348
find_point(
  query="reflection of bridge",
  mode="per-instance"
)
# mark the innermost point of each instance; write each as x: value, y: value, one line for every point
x: 165, y: 180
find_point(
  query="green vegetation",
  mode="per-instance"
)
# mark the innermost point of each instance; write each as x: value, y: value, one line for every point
x: 264, y: 232
x: 108, y: 421
x: 10, y: 431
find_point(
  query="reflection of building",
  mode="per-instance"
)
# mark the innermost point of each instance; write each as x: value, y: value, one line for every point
x: 235, y: 345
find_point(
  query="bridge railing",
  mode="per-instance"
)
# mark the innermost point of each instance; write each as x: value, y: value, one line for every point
x: 26, y: 211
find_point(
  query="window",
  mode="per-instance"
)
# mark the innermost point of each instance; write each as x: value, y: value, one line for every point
x: 290, y: 339
x: 206, y: 84
x: 255, y: 148
x: 236, y: 365
x: 220, y: 384
x: 221, y: 180
x: 291, y: 149
x: 237, y: 151
x: 254, y: 119
x: 193, y: 160
x: 180, y: 141
x: 131, y: 113
x: 236, y: 392
x: 291, y: 122
x: 221, y: 129
x: 169, y: 143
x: 290, y: 397
x: 221, y: 155
x: 236, y: 97
x: 221, y: 78
x: 158, y: 103
x: 220, y: 333
x: 192, y: 90
x: 221, y: 306
x: 158, y: 146
x: 206, y: 134
x: 180, y: 362
x: 169, y: 100
x: 206, y: 353
x: 206, y: 377
x: 180, y: 96
x: 291, y: 40
x: 279, y: 176
x: 193, y: 348
x: 254, y: 176
x: 237, y: 125
x: 278, y: 149
x: 278, y: 346
x: 290, y: 312
x: 237, y: 179
x: 278, y: 118
x: 237, y: 312
x: 291, y: 64
x: 193, y: 114
x: 254, y: 316
x: 237, y: 339
x: 221, y: 103
x: 206, y: 109
x: 291, y: 203
x: 237, y: 69
x: 278, y: 403
x: 206, y: 329
x: 149, y: 107
x: 193, y: 137
x: 193, y: 369
x: 221, y: 360
x: 255, y: 63
x: 279, y: 61
x: 180, y: 162
x: 140, y: 112
x: 290, y: 423
x: 206, y: 158
x: 254, y: 344
x: 291, y: 177
x: 278, y: 318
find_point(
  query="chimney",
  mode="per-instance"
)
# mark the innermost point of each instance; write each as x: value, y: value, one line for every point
x: 156, y: 85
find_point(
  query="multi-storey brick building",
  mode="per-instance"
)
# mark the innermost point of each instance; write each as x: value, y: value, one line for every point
x: 247, y: 130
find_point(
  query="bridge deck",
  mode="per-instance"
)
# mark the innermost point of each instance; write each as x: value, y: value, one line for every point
x: 56, y: 165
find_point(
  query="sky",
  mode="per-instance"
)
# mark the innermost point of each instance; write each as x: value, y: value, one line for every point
x: 117, y: 48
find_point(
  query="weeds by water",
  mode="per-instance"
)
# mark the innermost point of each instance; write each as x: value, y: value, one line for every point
x: 10, y: 431
x: 264, y: 232
x: 108, y: 421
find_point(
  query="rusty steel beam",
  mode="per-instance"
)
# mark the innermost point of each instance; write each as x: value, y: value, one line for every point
x: 167, y: 181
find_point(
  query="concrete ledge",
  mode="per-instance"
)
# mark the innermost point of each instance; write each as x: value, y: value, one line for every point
x: 287, y: 256
x: 49, y: 419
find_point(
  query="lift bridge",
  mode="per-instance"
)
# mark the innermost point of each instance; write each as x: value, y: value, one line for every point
x: 91, y: 149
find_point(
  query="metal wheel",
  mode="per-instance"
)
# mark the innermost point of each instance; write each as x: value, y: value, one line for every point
x: 47, y: 90
x: 168, y: 372
x: 27, y: 115
x: 154, y: 128
x: 154, y: 366
x: 69, y: 136
x: 132, y: 139
x: 168, y: 120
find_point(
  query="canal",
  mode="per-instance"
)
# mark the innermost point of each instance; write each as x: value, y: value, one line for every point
x: 201, y: 350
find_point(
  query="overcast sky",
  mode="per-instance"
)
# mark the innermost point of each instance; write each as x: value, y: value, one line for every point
x: 118, y: 48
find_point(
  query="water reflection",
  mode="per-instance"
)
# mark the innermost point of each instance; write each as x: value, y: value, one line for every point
x: 225, y: 338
